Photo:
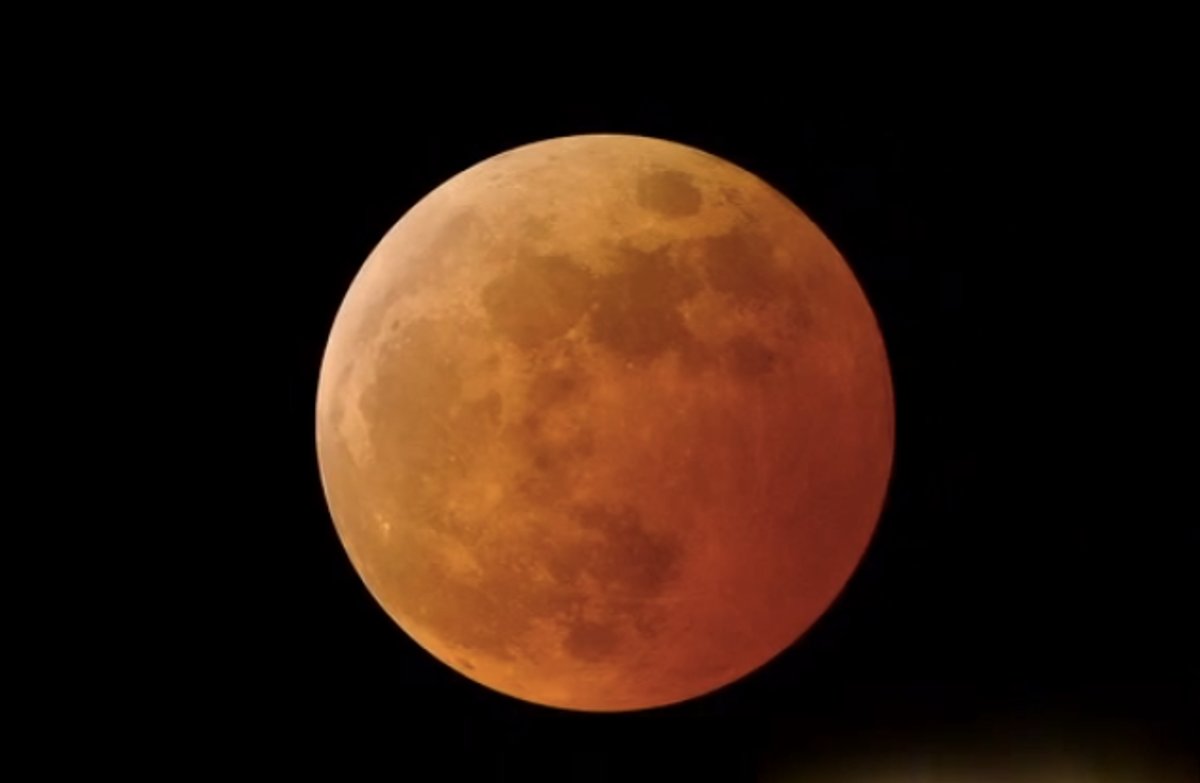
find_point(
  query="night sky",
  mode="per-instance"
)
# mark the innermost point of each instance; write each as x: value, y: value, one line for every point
x: 1032, y: 575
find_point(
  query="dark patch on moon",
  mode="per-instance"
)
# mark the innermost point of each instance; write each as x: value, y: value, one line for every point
x: 739, y: 264
x: 555, y: 397
x: 537, y: 227
x: 552, y: 460
x: 558, y: 393
x: 628, y: 564
x: 590, y: 641
x: 538, y: 300
x: 670, y: 193
x: 637, y: 307
x: 629, y: 558
x: 749, y: 358
x: 634, y: 310
x: 556, y: 387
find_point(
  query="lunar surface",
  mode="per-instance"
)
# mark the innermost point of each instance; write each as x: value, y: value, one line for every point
x: 605, y: 423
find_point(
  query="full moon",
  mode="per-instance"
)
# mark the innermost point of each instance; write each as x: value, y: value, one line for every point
x: 605, y: 423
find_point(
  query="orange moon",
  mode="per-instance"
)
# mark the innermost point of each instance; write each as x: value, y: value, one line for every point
x: 605, y: 423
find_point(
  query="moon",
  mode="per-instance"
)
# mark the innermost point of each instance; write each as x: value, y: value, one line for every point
x: 605, y: 423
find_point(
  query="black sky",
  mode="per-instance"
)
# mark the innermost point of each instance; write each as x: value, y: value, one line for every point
x: 1033, y: 568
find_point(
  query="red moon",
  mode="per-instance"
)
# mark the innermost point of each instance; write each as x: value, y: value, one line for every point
x: 605, y: 423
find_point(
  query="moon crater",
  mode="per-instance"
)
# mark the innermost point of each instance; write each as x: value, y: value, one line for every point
x: 671, y: 193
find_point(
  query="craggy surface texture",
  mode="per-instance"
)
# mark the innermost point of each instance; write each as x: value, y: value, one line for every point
x: 605, y: 423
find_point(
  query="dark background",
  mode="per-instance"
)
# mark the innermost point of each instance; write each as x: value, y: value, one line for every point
x: 1032, y: 572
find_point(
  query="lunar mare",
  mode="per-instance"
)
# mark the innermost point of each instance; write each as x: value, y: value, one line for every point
x: 605, y: 423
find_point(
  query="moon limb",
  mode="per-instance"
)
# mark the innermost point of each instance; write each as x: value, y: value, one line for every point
x: 625, y: 454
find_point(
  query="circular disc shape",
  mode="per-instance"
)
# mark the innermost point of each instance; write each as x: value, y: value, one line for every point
x: 605, y: 423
